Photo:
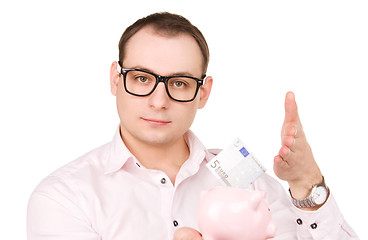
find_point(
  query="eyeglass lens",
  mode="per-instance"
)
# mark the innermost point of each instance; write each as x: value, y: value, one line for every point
x: 142, y: 83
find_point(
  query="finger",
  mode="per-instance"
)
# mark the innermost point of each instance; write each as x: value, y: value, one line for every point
x: 186, y: 233
x: 284, y: 152
x: 291, y: 109
x: 288, y: 138
x: 288, y: 141
x: 290, y: 130
x: 279, y: 161
x: 280, y: 167
x: 293, y: 130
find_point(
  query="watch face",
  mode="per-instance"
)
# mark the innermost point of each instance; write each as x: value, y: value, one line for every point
x: 320, y: 195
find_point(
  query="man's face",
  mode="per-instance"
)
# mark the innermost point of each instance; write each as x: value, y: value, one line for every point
x: 156, y: 119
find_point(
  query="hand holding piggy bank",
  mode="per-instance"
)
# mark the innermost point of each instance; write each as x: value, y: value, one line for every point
x: 234, y: 214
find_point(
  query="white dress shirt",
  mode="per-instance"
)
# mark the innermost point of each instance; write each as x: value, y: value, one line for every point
x: 108, y: 195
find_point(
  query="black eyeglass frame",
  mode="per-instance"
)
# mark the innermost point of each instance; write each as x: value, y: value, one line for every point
x: 159, y: 78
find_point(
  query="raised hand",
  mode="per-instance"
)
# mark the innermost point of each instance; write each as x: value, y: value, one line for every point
x: 295, y: 162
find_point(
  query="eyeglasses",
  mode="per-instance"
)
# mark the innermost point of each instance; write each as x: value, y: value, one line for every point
x: 142, y: 83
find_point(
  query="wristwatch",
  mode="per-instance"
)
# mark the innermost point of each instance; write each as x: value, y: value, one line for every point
x: 318, y: 196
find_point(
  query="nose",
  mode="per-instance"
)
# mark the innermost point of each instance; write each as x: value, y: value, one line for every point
x: 159, y: 98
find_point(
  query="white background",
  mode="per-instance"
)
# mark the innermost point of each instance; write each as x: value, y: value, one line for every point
x: 56, y: 103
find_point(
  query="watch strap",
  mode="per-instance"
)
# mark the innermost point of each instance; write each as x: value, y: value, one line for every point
x: 308, y: 202
x: 305, y: 203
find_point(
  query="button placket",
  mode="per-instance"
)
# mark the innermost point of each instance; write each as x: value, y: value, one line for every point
x: 167, y: 191
x: 175, y: 223
x: 163, y: 180
x: 313, y: 225
x: 299, y: 221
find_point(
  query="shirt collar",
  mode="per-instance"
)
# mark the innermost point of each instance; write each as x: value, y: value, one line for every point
x: 198, y: 151
x: 119, y: 154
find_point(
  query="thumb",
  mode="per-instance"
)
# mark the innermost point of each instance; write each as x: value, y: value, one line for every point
x: 186, y: 233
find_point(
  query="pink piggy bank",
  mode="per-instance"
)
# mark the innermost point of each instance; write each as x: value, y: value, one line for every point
x: 234, y: 214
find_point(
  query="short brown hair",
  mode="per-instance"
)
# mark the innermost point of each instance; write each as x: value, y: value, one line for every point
x: 170, y: 24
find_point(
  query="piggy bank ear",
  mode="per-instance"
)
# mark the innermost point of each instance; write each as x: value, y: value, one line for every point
x: 255, y: 199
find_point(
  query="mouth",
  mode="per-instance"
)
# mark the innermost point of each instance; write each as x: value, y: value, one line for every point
x: 156, y: 122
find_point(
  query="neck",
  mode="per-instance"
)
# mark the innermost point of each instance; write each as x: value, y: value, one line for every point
x: 167, y: 157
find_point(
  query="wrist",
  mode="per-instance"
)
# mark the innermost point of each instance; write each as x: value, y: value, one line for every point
x: 317, y: 197
x: 302, y: 188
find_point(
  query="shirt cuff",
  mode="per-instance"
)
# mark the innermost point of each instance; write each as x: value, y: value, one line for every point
x: 326, y: 221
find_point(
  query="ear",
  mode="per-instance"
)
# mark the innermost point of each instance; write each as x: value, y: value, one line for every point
x: 114, y: 78
x: 205, y: 91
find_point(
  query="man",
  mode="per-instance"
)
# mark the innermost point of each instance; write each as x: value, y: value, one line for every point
x: 145, y: 184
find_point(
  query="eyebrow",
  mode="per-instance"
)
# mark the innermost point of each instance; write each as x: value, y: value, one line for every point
x: 173, y: 74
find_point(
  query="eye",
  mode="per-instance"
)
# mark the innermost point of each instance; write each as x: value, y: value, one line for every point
x: 142, y: 79
x: 179, y: 84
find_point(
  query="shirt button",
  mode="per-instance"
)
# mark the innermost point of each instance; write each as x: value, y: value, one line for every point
x: 314, y: 225
x: 175, y: 223
x: 163, y: 180
x: 299, y: 221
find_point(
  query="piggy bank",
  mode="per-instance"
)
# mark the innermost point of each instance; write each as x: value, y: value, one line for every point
x: 234, y: 214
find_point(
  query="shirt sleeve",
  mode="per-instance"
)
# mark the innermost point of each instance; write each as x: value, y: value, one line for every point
x: 325, y: 223
x: 54, y: 213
